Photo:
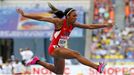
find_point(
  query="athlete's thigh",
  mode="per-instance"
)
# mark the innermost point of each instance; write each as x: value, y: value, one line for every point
x: 59, y: 65
x: 66, y: 53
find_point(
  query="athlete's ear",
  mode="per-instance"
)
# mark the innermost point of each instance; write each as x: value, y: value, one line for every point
x: 67, y: 16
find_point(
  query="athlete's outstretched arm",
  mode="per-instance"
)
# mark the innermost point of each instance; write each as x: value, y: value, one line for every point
x: 36, y: 17
x: 92, y: 26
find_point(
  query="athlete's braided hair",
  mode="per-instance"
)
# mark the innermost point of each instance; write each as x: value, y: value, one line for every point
x: 59, y: 13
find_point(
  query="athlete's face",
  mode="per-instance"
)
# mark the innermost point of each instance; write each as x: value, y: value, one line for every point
x: 72, y: 17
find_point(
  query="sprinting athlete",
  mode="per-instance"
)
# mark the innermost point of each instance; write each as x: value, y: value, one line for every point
x: 63, y: 28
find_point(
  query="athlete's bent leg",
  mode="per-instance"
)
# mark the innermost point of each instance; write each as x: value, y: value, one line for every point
x: 69, y: 54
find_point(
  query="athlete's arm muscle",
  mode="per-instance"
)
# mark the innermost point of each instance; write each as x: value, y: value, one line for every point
x: 36, y: 17
x: 91, y: 26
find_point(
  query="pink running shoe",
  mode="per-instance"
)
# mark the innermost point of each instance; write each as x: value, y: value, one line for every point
x: 101, y: 67
x: 32, y: 61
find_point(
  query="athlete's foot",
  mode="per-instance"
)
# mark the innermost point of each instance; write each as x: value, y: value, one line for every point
x: 101, y: 67
x: 32, y: 61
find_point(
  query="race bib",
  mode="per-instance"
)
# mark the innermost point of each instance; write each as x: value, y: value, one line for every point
x: 62, y: 42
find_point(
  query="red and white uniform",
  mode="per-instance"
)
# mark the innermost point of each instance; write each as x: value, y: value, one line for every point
x: 60, y: 37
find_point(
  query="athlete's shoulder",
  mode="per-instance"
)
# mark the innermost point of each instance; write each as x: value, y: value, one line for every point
x: 76, y: 24
x: 58, y: 20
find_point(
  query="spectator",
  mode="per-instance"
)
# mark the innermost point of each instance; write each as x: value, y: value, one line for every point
x: 26, y: 54
x: 1, y: 62
x: 7, y: 68
x: 18, y: 68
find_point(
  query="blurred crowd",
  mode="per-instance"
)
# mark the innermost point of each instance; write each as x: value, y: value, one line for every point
x: 13, y: 67
x: 129, y: 13
x: 112, y: 43
x: 104, y: 11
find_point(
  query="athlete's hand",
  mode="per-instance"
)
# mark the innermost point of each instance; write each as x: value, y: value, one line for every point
x: 110, y: 24
x: 20, y: 11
